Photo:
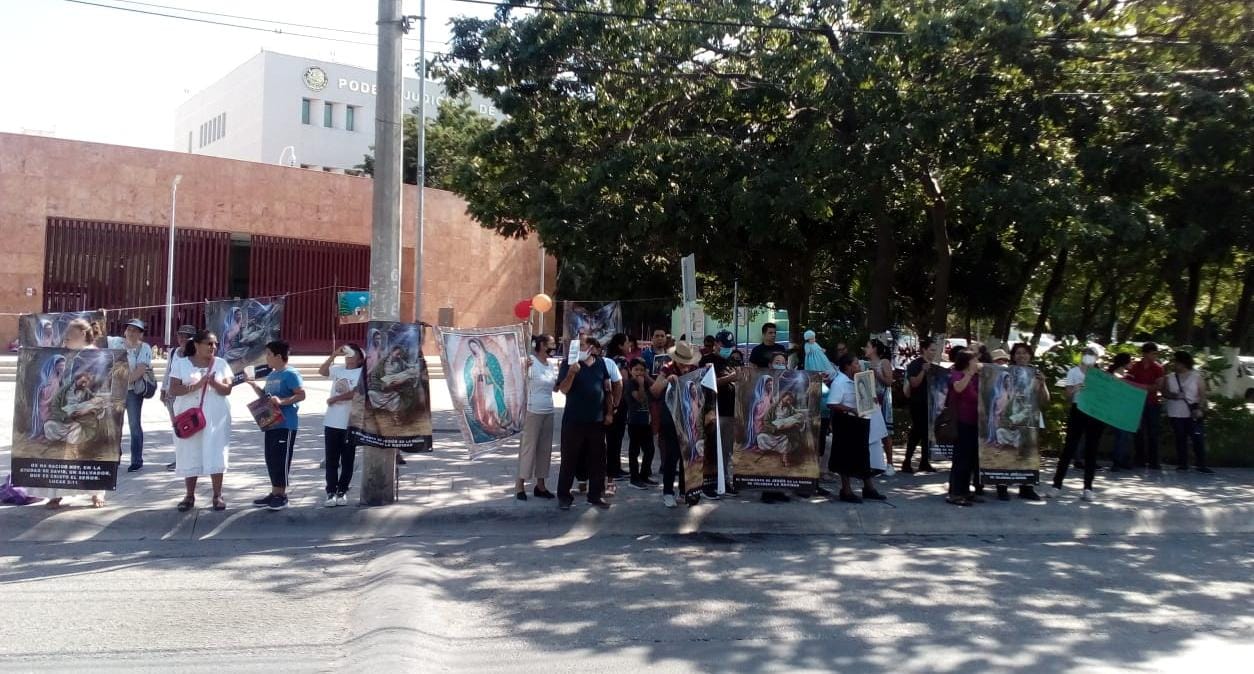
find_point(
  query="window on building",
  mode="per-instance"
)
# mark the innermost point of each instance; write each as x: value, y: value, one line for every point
x: 223, y: 131
x: 350, y: 118
x: 305, y: 105
x: 328, y: 115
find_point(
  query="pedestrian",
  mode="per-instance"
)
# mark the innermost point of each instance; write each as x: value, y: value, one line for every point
x: 709, y: 345
x: 737, y: 358
x: 616, y: 355
x: 586, y: 385
x: 536, y: 450
x: 185, y: 336
x: 1080, y: 427
x: 340, y: 449
x: 139, y: 360
x: 917, y: 392
x: 1021, y: 354
x: 882, y: 365
x: 79, y: 335
x: 816, y: 361
x: 725, y: 378
x: 632, y: 348
x: 201, y: 379
x: 1147, y: 374
x: 1121, y: 458
x: 684, y: 359
x: 761, y: 354
x: 964, y: 388
x: 852, y: 437
x: 640, y: 446
x: 286, y: 386
x: 1185, y: 391
x: 656, y: 348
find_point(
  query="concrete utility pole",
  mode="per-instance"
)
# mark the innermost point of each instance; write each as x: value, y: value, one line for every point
x: 378, y: 483
x: 422, y: 156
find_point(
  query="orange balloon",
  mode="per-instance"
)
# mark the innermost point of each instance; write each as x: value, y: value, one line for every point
x: 541, y: 302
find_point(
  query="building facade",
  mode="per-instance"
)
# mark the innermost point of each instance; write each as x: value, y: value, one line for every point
x: 281, y: 109
x: 87, y: 226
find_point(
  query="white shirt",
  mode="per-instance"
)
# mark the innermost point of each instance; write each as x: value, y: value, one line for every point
x: 612, y: 367
x: 1075, y: 377
x: 541, y: 377
x: 1190, y: 383
x: 175, y: 356
x: 343, y: 380
x: 842, y: 391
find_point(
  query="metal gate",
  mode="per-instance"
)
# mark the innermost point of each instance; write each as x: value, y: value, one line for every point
x: 310, y: 273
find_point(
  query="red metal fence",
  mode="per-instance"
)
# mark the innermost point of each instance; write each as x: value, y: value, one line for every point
x: 93, y: 265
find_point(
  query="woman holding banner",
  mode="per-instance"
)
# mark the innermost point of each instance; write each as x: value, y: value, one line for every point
x: 1079, y: 425
x: 964, y: 396
x: 852, y: 437
x: 1021, y: 354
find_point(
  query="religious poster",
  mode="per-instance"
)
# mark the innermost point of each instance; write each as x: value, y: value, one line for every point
x: 694, y: 410
x: 484, y: 370
x: 49, y: 329
x: 1111, y: 401
x: 864, y: 394
x: 1009, y: 426
x: 67, y: 417
x: 244, y: 327
x: 659, y: 361
x: 392, y: 405
x: 937, y: 394
x: 353, y: 306
x: 598, y: 322
x: 777, y: 428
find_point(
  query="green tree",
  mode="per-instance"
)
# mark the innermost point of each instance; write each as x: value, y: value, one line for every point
x: 449, y: 136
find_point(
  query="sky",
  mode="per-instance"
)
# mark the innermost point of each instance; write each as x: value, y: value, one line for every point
x: 105, y: 75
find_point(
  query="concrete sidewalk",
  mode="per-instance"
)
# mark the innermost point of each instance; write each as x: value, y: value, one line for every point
x: 445, y: 492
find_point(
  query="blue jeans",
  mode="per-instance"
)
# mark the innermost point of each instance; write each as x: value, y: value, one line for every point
x: 1120, y: 453
x: 134, y: 402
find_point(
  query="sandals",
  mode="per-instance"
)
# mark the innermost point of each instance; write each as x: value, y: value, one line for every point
x: 186, y: 504
x: 219, y: 503
x: 958, y: 501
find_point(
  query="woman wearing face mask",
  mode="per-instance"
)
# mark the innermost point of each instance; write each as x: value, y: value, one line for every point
x: 1079, y: 425
x: 340, y: 450
x: 536, y: 449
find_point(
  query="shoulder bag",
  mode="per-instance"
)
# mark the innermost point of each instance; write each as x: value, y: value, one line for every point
x: 190, y: 422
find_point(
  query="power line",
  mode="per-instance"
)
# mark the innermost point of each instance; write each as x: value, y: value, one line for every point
x: 276, y: 31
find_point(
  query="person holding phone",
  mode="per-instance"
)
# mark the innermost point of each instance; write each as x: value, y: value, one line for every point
x: 201, y: 379
x: 340, y: 450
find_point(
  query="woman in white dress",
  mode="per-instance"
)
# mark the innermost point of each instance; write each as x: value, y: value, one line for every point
x: 79, y: 334
x: 202, y: 376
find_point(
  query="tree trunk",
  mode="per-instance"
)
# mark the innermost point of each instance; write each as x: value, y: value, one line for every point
x: 1001, y: 329
x: 885, y: 269
x: 1086, y: 311
x: 1208, y: 321
x: 1240, y: 334
x: 938, y: 214
x: 1185, y: 298
x: 1141, y: 305
x: 1047, y: 298
x: 1112, y: 326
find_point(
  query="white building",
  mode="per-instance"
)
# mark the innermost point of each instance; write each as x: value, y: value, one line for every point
x: 276, y: 108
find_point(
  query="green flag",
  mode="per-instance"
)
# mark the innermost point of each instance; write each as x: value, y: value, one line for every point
x: 1111, y: 401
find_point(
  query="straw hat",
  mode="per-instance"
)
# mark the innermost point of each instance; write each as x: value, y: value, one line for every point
x: 999, y: 354
x: 684, y: 354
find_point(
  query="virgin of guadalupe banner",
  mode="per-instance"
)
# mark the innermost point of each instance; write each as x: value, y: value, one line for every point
x: 694, y: 410
x: 1010, y: 414
x: 244, y: 327
x: 49, y: 329
x: 937, y: 395
x: 484, y: 370
x: 777, y: 428
x: 392, y: 405
x: 599, y: 322
x: 67, y: 417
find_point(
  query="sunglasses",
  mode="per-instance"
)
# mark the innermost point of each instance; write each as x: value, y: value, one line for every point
x: 208, y: 343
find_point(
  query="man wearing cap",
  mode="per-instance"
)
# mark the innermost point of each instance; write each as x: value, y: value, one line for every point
x: 683, y: 359
x: 1147, y: 374
x: 139, y: 360
x: 185, y: 334
x: 726, y: 377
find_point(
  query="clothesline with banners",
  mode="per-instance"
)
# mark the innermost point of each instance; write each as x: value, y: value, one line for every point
x: 109, y: 310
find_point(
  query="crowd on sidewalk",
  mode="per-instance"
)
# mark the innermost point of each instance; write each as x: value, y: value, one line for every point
x: 617, y: 392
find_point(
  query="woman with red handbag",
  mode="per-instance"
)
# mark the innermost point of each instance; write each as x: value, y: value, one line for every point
x: 201, y: 385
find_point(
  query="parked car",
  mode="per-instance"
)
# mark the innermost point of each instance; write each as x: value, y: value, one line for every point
x: 1245, y: 379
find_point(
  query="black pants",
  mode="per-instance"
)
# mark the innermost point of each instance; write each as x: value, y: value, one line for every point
x: 1145, y: 446
x: 966, y: 452
x: 1188, y: 430
x: 583, y: 446
x: 670, y: 458
x: 340, y: 456
x: 640, y: 442
x: 279, y: 445
x: 918, y: 434
x: 1079, y: 425
x: 614, y: 447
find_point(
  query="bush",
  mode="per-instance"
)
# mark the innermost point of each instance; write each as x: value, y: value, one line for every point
x: 1229, y: 433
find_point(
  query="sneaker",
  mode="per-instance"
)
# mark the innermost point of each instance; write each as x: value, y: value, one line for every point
x: 600, y: 505
x: 330, y: 502
x: 1052, y: 491
x: 262, y: 502
x: 1029, y: 494
x: 171, y: 465
x: 711, y: 494
x: 822, y: 491
x: 341, y: 499
x: 889, y: 471
x: 925, y: 468
x: 1088, y: 495
x: 651, y: 482
x: 134, y: 467
x: 668, y: 500
x: 563, y: 505
x: 640, y: 484
x: 277, y: 502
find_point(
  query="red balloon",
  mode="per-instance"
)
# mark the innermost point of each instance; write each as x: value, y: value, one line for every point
x: 523, y: 309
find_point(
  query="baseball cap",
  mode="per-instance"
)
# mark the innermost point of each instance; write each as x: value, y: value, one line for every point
x: 724, y: 338
x: 136, y: 323
x: 187, y: 330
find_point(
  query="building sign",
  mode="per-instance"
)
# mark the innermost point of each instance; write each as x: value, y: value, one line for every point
x: 365, y: 87
x: 315, y: 78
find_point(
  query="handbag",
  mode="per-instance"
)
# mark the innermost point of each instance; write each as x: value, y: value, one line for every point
x: 191, y: 421
x: 148, y: 384
x: 266, y: 412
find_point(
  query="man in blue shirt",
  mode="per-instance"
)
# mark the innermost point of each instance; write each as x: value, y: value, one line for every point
x: 288, y: 389
x: 586, y: 385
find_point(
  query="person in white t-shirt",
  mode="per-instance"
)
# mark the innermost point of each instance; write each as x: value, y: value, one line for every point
x: 1185, y: 392
x: 1079, y: 425
x: 536, y: 450
x: 340, y: 450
